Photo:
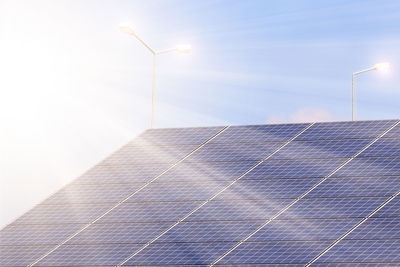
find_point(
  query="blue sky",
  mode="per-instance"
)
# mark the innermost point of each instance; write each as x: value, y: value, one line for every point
x: 74, y: 89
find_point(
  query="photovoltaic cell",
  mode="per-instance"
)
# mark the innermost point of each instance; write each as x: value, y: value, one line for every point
x: 307, y: 230
x: 259, y: 133
x: 239, y: 210
x: 178, y: 191
x: 383, y: 148
x: 268, y: 188
x: 148, y: 154
x: 370, y: 251
x: 103, y: 174
x: 332, y: 208
x: 394, y: 133
x: 234, y: 152
x: 356, y: 186
x: 92, y: 193
x: 345, y: 130
x: 210, y: 231
x: 322, y: 149
x: 296, y: 168
x: 55, y: 214
x: 275, y: 252
x: 89, y: 255
x: 179, y: 253
x: 207, y: 171
x: 371, y: 167
x: 36, y: 234
x: 392, y: 209
x: 377, y: 228
x: 17, y: 256
x: 118, y: 233
x: 149, y: 212
x: 176, y: 136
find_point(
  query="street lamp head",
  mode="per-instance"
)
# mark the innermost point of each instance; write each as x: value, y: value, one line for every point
x: 383, y: 67
x: 127, y: 29
x: 184, y: 48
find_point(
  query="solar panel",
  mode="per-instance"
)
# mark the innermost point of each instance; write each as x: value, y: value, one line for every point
x: 304, y: 229
x: 88, y: 255
x: 282, y: 252
x: 371, y: 167
x: 295, y: 168
x: 383, y: 148
x: 345, y: 130
x: 257, y: 195
x: 357, y: 187
x: 370, y: 251
x: 322, y: 149
x: 259, y: 133
x: 178, y: 253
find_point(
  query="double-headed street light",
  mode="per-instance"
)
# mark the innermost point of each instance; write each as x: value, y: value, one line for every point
x: 180, y: 48
x: 380, y: 66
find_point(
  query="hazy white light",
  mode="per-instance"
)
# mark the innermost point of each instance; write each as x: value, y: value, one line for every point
x: 184, y: 48
x: 127, y: 29
x: 383, y: 67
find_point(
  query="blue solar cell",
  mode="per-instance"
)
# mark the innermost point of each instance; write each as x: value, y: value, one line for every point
x: 239, y: 210
x: 17, y: 256
x: 104, y: 174
x: 176, y: 136
x: 207, y: 171
x: 107, y: 233
x: 354, y: 187
x: 311, y: 229
x: 392, y: 209
x: 37, y: 234
x: 149, y: 212
x: 299, y: 168
x: 371, y: 167
x: 234, y: 152
x: 148, y: 154
x: 54, y: 214
x: 92, y: 193
x: 377, y: 228
x: 272, y: 188
x: 383, y: 148
x: 321, y: 149
x: 369, y: 251
x: 332, y: 207
x: 395, y: 132
x: 211, y: 231
x: 346, y: 130
x: 182, y: 191
x: 179, y: 253
x: 275, y: 252
x: 88, y: 255
x: 259, y: 133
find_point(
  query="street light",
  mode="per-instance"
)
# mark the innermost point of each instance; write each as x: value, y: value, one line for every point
x: 384, y: 67
x: 180, y: 48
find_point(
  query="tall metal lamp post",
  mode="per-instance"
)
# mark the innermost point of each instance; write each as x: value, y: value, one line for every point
x: 180, y: 48
x: 380, y: 66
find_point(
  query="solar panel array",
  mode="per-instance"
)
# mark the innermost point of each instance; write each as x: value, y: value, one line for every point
x: 318, y: 194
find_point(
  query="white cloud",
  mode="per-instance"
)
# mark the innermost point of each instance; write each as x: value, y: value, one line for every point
x: 311, y: 115
x: 308, y: 114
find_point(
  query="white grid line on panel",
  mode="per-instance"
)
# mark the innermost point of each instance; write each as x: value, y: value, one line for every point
x: 214, y: 196
x: 125, y: 199
x: 302, y: 196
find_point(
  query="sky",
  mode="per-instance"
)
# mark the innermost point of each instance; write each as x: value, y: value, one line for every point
x: 73, y: 88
